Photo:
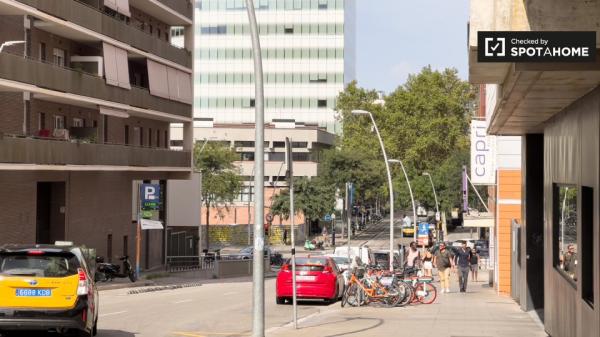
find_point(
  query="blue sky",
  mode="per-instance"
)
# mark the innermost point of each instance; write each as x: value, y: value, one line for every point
x: 399, y: 37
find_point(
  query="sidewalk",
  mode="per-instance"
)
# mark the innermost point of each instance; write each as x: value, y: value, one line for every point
x: 480, y: 312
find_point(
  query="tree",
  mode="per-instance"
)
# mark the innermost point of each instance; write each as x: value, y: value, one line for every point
x: 313, y: 197
x: 221, y: 182
x: 424, y: 123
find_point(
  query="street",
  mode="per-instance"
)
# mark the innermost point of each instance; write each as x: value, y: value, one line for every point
x: 223, y: 308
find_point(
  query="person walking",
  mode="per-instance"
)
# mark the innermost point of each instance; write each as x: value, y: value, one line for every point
x: 463, y: 261
x: 474, y: 264
x: 443, y: 260
x: 428, y: 264
x: 413, y: 257
x: 324, y: 233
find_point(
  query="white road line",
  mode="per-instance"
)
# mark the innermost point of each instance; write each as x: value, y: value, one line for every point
x: 183, y: 301
x: 113, y: 313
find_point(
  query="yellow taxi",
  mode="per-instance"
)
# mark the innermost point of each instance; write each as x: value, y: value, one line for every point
x: 48, y: 288
x: 408, y: 231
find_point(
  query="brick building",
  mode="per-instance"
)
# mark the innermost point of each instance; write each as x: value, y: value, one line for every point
x: 88, y: 90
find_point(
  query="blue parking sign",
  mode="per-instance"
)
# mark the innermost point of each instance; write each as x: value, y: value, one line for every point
x: 150, y: 196
x: 423, y: 229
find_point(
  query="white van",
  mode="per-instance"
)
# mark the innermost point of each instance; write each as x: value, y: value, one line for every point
x: 363, y: 252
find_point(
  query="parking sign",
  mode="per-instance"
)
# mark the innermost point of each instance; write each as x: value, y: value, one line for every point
x: 150, y: 196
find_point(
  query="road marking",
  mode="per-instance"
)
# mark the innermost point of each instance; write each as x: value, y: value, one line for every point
x: 187, y: 334
x: 183, y: 301
x: 113, y: 313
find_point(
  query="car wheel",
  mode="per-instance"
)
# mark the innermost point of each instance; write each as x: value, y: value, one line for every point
x: 84, y: 333
x: 280, y: 300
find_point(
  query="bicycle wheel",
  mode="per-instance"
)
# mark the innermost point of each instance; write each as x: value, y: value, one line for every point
x: 355, y: 295
x: 394, y: 297
x: 409, y: 294
x: 426, y: 293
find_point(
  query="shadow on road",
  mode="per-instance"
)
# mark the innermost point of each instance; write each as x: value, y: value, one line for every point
x: 376, y: 322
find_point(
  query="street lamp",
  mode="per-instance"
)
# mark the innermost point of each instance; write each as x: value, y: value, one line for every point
x: 389, y: 176
x: 412, y: 198
x: 9, y: 43
x: 437, y: 206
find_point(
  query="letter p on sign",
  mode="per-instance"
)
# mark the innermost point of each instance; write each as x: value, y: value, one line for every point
x: 149, y: 193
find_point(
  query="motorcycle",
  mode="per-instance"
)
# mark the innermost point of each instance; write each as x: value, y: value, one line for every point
x: 108, y: 271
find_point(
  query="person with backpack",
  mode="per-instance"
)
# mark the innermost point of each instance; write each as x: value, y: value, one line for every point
x: 444, y: 262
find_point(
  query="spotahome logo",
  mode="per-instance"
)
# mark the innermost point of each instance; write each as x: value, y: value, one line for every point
x: 536, y: 46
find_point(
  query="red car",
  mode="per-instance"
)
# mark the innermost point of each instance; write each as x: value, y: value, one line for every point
x: 316, y: 278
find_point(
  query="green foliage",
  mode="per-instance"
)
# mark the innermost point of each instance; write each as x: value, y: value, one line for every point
x: 313, y: 197
x: 424, y: 123
x: 221, y: 182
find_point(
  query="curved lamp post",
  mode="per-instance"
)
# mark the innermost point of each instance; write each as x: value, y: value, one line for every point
x: 389, y: 176
x: 437, y: 205
x: 412, y: 198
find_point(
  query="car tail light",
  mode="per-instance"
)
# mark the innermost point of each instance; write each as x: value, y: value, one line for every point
x: 328, y: 269
x: 285, y: 267
x: 35, y: 252
x: 82, y: 288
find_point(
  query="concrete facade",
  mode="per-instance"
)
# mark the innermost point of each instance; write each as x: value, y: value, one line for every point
x: 555, y: 107
x: 75, y: 144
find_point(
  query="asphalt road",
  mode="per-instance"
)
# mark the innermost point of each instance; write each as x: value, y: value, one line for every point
x: 216, y: 308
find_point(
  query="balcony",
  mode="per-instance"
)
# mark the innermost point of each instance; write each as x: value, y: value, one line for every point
x: 93, y: 19
x: 53, y: 77
x: 21, y: 150
x: 181, y: 7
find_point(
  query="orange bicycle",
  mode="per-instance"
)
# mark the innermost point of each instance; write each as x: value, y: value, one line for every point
x: 367, y: 289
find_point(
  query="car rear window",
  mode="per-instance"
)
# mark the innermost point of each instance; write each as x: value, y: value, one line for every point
x: 38, y: 264
x: 310, y: 264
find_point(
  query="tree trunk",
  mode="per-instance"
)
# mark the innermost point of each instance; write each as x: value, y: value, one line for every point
x: 207, y: 236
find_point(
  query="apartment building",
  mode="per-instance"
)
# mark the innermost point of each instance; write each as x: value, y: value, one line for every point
x: 554, y: 107
x: 234, y: 223
x: 308, y: 50
x: 88, y: 90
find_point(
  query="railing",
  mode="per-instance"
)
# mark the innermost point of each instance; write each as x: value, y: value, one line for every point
x: 28, y: 150
x: 177, y: 264
x: 182, y: 7
x: 92, y: 18
x: 50, y: 76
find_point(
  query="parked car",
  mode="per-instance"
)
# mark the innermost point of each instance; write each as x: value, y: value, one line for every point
x: 248, y: 252
x: 343, y: 264
x: 316, y: 278
x: 46, y: 287
x: 382, y: 258
x: 363, y: 252
x: 408, y: 230
x: 458, y: 243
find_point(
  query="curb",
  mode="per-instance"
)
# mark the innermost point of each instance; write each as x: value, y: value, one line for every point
x: 162, y: 288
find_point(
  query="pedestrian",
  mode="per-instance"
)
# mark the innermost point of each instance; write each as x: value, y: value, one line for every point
x: 325, y: 234
x: 428, y: 264
x: 444, y: 262
x: 474, y: 264
x: 463, y: 262
x: 285, y: 234
x: 570, y: 261
x: 413, y: 257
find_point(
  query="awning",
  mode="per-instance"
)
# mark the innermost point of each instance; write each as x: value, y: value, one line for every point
x: 151, y: 224
x: 157, y: 79
x: 116, y: 66
x: 121, y: 6
x: 113, y: 112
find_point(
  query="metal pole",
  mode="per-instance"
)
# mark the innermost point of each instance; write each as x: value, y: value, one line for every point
x: 258, y: 276
x: 437, y: 205
x: 391, y: 188
x: 348, y: 216
x: 412, y: 199
x: 293, y: 229
x: 138, y: 233
x: 200, y: 221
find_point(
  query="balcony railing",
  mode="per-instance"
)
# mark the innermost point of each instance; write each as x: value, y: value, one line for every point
x: 47, y: 75
x: 182, y: 7
x: 28, y: 150
x: 96, y: 20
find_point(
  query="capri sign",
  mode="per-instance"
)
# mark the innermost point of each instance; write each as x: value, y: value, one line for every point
x: 483, y: 154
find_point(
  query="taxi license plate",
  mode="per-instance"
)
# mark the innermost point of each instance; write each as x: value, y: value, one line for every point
x: 34, y: 292
x: 306, y: 278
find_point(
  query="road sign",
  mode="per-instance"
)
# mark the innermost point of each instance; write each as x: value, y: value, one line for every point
x: 328, y: 217
x: 147, y: 214
x: 269, y: 217
x: 150, y: 196
x: 151, y: 224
